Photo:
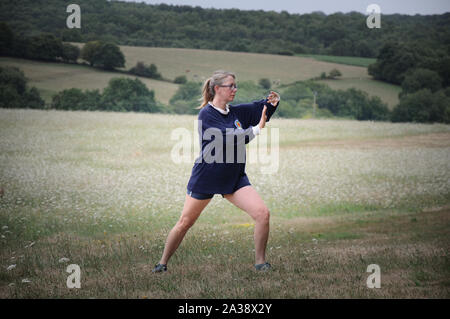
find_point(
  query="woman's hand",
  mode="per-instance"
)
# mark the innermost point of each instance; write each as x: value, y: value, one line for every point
x: 273, y: 98
x: 262, y: 122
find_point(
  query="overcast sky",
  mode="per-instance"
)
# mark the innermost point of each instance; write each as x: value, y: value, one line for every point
x: 411, y: 7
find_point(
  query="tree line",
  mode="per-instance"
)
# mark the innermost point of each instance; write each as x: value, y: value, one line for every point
x: 140, y: 24
x: 297, y: 100
x: 120, y: 95
x: 424, y: 75
x: 132, y: 95
x: 420, y: 64
x: 47, y: 47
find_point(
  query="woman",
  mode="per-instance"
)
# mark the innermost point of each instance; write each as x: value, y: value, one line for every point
x: 221, y: 172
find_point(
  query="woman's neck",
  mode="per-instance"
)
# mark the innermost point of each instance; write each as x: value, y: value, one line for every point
x: 219, y: 103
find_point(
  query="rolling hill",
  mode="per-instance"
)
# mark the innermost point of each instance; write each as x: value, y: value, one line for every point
x: 197, y: 65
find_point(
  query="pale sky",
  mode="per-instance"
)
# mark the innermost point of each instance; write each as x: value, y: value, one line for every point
x: 411, y: 7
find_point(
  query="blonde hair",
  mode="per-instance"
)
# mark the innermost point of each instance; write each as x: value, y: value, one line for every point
x: 208, y: 92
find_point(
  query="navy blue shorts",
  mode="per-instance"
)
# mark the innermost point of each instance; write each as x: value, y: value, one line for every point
x: 242, y: 182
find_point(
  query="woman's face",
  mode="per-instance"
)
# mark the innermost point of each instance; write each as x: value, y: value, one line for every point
x: 227, y: 91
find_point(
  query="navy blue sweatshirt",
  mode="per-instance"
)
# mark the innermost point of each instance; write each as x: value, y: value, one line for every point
x: 214, y: 171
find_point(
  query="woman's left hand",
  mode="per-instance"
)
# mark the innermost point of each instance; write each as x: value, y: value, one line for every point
x: 273, y: 98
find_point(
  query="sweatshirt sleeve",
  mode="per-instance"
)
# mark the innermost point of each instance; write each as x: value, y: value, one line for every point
x: 250, y: 114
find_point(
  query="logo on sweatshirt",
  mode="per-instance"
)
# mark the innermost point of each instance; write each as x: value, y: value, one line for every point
x: 237, y: 124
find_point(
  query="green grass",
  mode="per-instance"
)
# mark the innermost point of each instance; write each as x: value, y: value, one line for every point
x: 101, y: 189
x: 347, y: 60
x: 199, y: 64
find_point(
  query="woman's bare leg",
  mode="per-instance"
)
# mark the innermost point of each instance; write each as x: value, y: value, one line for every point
x: 191, y: 210
x: 247, y: 199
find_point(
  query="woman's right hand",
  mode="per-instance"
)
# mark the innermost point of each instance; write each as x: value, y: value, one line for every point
x: 262, y: 122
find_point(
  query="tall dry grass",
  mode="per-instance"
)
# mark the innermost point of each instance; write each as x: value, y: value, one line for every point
x: 100, y: 190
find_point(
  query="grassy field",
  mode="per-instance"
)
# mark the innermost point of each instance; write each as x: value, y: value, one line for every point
x: 101, y: 190
x: 348, y: 60
x: 51, y: 78
x: 197, y: 65
x: 172, y: 62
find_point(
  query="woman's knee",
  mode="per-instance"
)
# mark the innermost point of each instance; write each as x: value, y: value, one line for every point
x: 184, y: 223
x: 262, y: 215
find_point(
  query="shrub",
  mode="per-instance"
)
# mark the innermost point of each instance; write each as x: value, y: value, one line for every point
x: 75, y: 99
x: 121, y: 94
x: 13, y: 77
x: 69, y: 99
x: 70, y: 53
x: 186, y: 99
x: 14, y: 92
x: 265, y: 83
x: 334, y: 74
x: 182, y: 79
x: 146, y: 71
x: 45, y: 47
x: 417, y: 79
x: 104, y: 55
x: 124, y: 94
x: 423, y: 106
x: 286, y: 52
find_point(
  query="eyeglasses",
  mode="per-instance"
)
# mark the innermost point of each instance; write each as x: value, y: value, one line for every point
x: 230, y: 86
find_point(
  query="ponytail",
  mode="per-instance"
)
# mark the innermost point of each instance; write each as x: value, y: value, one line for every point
x: 208, y: 92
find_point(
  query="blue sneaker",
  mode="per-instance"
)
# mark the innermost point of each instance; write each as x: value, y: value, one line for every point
x: 160, y: 268
x: 263, y: 267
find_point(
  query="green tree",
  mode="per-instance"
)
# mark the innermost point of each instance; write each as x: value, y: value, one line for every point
x: 342, y: 47
x: 374, y: 109
x: 45, y: 47
x: 392, y: 63
x: 6, y: 39
x: 70, y: 52
x: 141, y: 69
x: 181, y: 79
x: 423, y: 106
x: 32, y: 99
x: 183, y: 26
x: 417, y: 79
x: 186, y: 99
x: 297, y: 92
x: 104, y: 55
x: 124, y: 94
x: 443, y: 69
x: 13, y: 77
x: 9, y: 98
x: 90, y: 51
x: 334, y: 74
x: 265, y: 83
x: 14, y: 92
x: 109, y: 56
x: 69, y: 99
x: 71, y: 35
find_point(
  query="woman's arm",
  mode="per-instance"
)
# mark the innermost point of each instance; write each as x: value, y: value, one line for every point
x: 250, y: 114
